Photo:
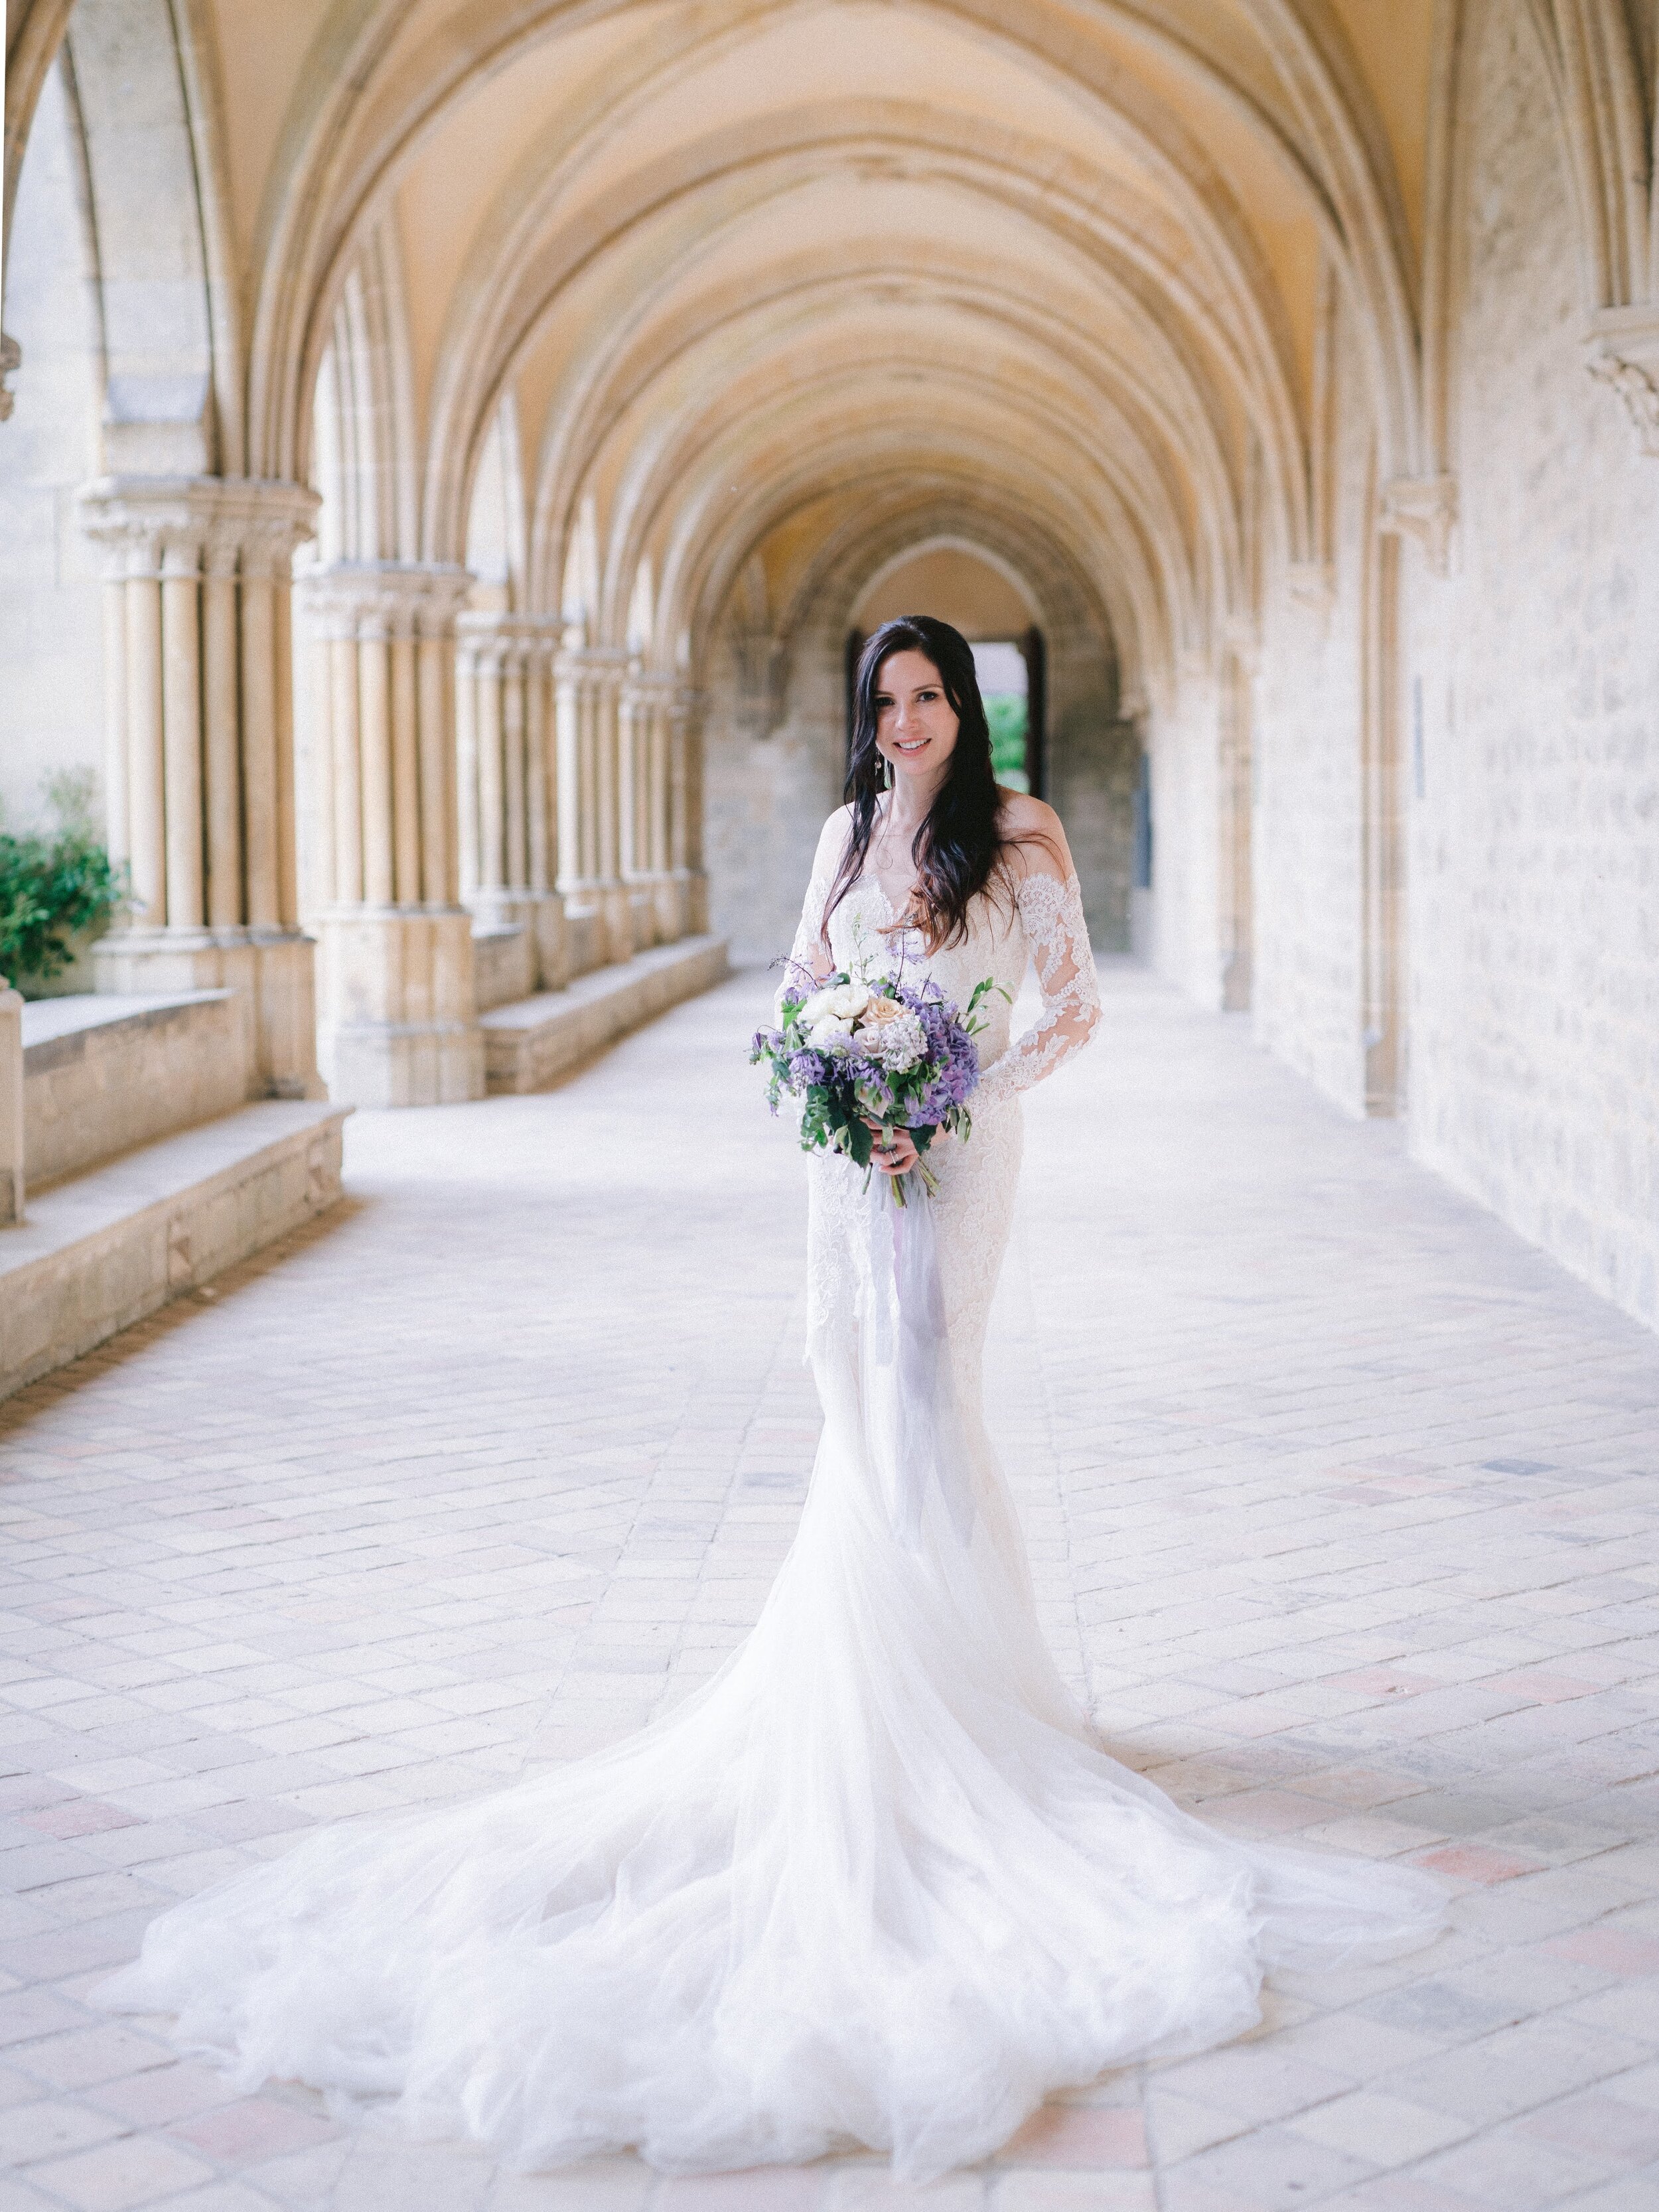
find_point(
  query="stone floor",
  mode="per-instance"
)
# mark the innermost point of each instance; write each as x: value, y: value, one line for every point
x: 1345, y: 1506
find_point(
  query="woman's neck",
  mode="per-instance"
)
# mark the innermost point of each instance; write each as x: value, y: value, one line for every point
x: 906, y: 809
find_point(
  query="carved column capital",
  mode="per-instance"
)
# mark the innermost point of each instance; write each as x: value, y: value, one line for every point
x: 1622, y: 352
x: 645, y: 687
x: 1425, y: 509
x: 495, y: 639
x: 390, y: 599
x: 149, y: 525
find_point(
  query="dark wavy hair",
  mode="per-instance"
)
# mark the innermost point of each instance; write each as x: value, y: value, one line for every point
x: 961, y: 849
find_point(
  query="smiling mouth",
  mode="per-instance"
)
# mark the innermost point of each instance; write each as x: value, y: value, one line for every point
x: 913, y: 746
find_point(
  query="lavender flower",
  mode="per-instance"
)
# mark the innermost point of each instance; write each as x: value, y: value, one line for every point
x: 893, y: 1052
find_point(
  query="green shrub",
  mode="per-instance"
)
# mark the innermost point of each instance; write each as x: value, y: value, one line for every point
x: 1005, y: 713
x: 56, y: 886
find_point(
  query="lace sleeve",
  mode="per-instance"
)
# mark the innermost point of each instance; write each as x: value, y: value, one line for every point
x: 1051, y: 913
x: 807, y: 951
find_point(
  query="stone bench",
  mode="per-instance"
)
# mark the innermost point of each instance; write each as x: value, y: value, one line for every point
x: 529, y: 1044
x: 102, y: 1074
x: 99, y: 1253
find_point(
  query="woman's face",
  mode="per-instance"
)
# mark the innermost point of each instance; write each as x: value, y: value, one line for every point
x: 917, y: 725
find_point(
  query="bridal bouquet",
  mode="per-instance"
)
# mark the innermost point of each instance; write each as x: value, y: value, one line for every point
x: 887, y: 1052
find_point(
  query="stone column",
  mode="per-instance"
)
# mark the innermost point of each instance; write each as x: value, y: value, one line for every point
x: 199, y: 753
x: 398, y: 1019
x: 636, y: 709
x: 685, y: 810
x: 648, y: 706
x: 507, y: 780
x: 587, y: 682
x: 612, y: 794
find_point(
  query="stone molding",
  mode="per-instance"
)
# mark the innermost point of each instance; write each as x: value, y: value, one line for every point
x: 179, y: 526
x: 1622, y: 352
x: 384, y: 598
x: 497, y: 640
x: 590, y: 663
x: 644, y: 687
x: 1312, y: 584
x: 1424, y: 509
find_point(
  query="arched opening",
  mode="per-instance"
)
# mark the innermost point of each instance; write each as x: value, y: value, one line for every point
x: 642, y: 374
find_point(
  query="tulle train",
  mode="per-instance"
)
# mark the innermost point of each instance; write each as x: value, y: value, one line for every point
x: 876, y: 1884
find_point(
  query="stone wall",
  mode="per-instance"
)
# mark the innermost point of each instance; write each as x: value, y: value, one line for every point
x: 1181, y: 737
x: 104, y: 1075
x: 1307, y: 814
x: 1094, y: 761
x: 1528, y: 738
x: 767, y: 796
x: 1534, y: 844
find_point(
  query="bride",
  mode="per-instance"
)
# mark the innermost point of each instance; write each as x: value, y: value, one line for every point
x: 878, y: 1882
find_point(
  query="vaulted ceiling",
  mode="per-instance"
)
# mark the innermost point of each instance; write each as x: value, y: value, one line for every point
x: 794, y: 280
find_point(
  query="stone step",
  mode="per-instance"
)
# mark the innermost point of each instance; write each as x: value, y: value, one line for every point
x: 101, y: 1252
x: 530, y: 1042
x: 104, y: 1073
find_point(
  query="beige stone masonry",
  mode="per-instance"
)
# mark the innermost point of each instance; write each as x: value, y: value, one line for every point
x: 508, y: 807
x: 397, y: 1010
x: 101, y: 1252
x: 199, y: 750
x: 587, y: 691
x: 103, y: 1075
x: 527, y: 1044
x: 503, y: 963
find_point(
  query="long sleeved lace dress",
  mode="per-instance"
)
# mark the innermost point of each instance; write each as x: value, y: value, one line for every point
x: 876, y: 1883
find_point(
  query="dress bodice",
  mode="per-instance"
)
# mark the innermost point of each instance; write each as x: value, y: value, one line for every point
x: 1041, y: 921
x: 863, y: 937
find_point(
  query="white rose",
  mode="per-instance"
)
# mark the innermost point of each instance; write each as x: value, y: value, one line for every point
x: 849, y: 1001
x: 899, y: 1043
x: 814, y: 1008
x: 831, y: 1033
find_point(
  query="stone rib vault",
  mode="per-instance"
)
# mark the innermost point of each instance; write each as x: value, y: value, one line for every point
x: 452, y: 447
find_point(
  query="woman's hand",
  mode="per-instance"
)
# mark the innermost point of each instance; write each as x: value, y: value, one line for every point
x: 894, y: 1150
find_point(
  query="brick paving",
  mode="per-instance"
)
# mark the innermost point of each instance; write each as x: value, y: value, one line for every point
x: 1343, y: 1505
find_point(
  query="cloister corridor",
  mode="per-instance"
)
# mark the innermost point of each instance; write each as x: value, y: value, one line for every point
x: 1343, y: 1508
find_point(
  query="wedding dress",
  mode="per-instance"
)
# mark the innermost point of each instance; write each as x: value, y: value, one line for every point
x: 876, y: 1883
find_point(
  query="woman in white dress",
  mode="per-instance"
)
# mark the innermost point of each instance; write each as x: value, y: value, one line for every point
x: 877, y: 1883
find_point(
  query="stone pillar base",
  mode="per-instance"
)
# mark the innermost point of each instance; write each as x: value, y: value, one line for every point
x: 552, y: 951
x: 642, y: 917
x: 272, y: 972
x: 693, y: 888
x: 667, y: 910
x: 398, y: 1025
x: 616, y: 910
x: 440, y: 1064
x: 541, y: 915
x: 585, y: 947
x: 285, y: 1007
